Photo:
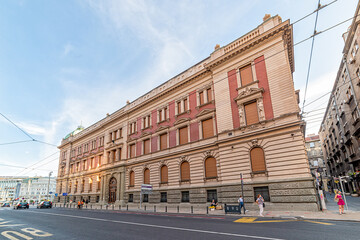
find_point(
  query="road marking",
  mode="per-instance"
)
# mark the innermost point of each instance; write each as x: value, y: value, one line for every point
x: 324, y: 223
x: 159, y: 226
x: 252, y: 220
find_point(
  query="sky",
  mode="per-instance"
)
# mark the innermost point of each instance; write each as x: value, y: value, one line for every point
x: 69, y: 63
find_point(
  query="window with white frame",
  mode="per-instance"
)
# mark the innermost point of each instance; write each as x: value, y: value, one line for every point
x: 101, y: 141
x: 182, y: 106
x: 146, y: 122
x: 132, y: 128
x: 162, y: 114
x: 205, y: 96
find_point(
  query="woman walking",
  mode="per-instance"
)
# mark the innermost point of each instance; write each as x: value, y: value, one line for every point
x: 340, y: 202
x: 260, y: 202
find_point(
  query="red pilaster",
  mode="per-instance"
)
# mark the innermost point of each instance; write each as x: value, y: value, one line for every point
x: 261, y: 75
x: 233, y: 94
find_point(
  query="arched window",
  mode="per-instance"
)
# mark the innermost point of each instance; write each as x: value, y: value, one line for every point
x: 132, y: 179
x: 185, y: 171
x: 164, y: 174
x: 210, y: 168
x: 147, y: 176
x: 257, y: 160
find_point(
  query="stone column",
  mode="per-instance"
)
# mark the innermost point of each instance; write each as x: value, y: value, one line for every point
x: 122, y: 186
x: 102, y: 189
x: 118, y: 179
x: 117, y: 152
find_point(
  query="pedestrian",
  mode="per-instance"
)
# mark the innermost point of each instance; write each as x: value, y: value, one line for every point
x: 241, y: 203
x: 340, y: 202
x: 260, y: 202
x: 79, y: 204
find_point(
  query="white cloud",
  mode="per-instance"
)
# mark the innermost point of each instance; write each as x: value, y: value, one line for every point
x: 68, y: 48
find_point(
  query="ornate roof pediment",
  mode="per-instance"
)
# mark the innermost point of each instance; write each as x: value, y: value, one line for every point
x: 145, y: 134
x: 248, y: 94
x: 161, y: 128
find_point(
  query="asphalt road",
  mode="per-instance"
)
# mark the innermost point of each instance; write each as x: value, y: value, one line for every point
x: 58, y: 223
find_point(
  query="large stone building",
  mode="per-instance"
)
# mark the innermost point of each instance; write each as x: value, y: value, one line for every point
x: 340, y: 129
x: 10, y: 188
x: 190, y: 138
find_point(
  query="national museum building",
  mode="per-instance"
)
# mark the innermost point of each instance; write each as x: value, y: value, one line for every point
x: 235, y: 112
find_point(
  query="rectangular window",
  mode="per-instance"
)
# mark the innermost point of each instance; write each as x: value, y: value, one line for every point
x: 211, y: 194
x: 178, y: 105
x: 163, y: 141
x: 146, y: 122
x: 251, y: 113
x: 355, y: 114
x: 183, y: 135
x: 97, y: 199
x: 246, y: 75
x: 201, y: 98
x: 132, y: 150
x: 185, y: 104
x: 147, y: 146
x: 209, y: 95
x: 264, y: 191
x: 146, y: 198
x: 131, y: 198
x: 208, y: 128
x: 132, y: 127
x: 120, y: 133
x: 163, y: 197
x: 185, y: 196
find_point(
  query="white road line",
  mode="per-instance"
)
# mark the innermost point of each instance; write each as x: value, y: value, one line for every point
x: 159, y: 226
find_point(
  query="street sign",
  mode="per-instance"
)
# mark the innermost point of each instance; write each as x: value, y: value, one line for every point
x: 64, y: 194
x: 56, y: 194
x: 146, y: 188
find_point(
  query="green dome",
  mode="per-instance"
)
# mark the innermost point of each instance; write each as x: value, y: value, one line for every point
x: 73, y: 133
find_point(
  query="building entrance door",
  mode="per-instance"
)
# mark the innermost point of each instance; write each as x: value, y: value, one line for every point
x: 112, y: 190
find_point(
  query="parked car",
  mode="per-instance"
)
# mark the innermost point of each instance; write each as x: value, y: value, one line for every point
x: 21, y: 205
x: 45, y: 204
x: 5, y: 205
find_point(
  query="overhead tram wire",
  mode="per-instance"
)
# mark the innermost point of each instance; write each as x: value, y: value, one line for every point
x: 311, y: 54
x: 35, y: 168
x: 14, y: 166
x: 38, y: 162
x: 9, y: 143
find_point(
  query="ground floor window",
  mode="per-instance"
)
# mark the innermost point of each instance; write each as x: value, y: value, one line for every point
x: 58, y: 199
x: 74, y: 199
x: 211, y: 194
x: 97, y: 199
x: 146, y: 198
x: 264, y: 191
x: 163, y: 197
x: 131, y: 198
x: 185, y: 196
x: 89, y: 198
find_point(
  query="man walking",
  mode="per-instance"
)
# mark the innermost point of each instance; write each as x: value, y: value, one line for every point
x: 241, y: 203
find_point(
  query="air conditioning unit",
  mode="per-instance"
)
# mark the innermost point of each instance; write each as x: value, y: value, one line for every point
x: 351, y: 60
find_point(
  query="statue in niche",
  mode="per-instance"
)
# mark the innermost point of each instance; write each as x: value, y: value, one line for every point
x: 261, y: 109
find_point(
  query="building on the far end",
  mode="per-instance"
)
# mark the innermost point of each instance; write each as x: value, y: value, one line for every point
x: 34, y: 189
x: 316, y: 158
x: 10, y: 188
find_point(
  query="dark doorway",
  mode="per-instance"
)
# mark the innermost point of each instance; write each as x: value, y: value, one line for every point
x: 112, y: 190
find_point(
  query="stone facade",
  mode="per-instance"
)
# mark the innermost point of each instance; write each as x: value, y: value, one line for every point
x: 340, y: 129
x: 190, y: 138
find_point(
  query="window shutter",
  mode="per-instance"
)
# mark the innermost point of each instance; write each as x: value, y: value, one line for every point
x: 179, y: 107
x: 201, y: 96
x: 164, y: 174
x: 163, y: 141
x: 246, y: 75
x: 251, y: 113
x: 185, y: 171
x: 132, y: 178
x: 209, y: 95
x: 257, y: 160
x: 210, y: 168
x: 132, y: 150
x: 207, y: 128
x: 147, y: 176
x: 183, y: 135
x: 146, y: 146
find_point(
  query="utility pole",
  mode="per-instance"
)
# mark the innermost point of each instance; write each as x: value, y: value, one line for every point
x: 48, y: 187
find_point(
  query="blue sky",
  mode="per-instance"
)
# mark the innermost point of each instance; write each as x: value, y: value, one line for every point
x: 66, y: 63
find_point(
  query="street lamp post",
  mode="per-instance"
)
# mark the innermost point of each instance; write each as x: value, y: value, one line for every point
x: 48, y: 187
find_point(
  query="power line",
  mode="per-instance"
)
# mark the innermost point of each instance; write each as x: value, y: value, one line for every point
x: 316, y: 10
x: 38, y: 162
x: 14, y: 166
x: 17, y: 127
x: 311, y: 52
x: 9, y: 143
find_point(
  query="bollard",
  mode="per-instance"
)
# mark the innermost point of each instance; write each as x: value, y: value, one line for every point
x: 207, y: 210
x: 113, y: 207
x: 107, y: 207
x: 119, y: 207
x: 165, y: 208
x: 178, y: 209
x: 192, y: 210
x: 86, y: 206
x: 100, y: 206
x: 127, y: 207
x: 90, y: 206
x: 154, y: 208
x: 145, y: 208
